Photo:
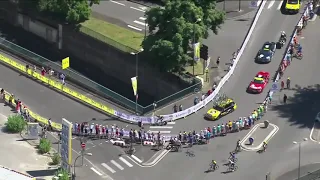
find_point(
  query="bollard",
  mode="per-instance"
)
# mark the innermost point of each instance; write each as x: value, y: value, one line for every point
x: 251, y: 139
x: 266, y: 124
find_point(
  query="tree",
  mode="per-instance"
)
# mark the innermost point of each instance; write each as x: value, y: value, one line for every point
x: 15, y: 124
x: 173, y: 28
x: 73, y: 11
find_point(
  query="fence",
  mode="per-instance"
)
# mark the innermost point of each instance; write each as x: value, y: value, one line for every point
x: 91, y: 85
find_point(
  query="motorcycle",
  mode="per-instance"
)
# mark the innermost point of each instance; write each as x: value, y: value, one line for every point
x: 282, y: 41
x: 160, y: 122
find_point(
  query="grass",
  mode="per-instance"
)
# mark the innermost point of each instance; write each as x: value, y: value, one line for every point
x: 116, y: 36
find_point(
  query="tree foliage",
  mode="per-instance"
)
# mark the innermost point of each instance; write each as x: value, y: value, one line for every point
x: 73, y: 11
x: 174, y: 27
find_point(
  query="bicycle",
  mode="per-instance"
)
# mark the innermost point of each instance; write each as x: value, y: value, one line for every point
x: 213, y: 167
x: 234, y: 168
x: 233, y: 159
x: 298, y: 56
x: 190, y: 153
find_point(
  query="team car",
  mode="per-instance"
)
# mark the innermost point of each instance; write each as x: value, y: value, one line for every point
x: 266, y: 53
x: 293, y: 6
x: 221, y: 109
x: 259, y: 82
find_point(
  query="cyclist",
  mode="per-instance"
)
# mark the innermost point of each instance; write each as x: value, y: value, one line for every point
x: 283, y: 35
x: 213, y: 164
x: 231, y: 165
x: 232, y: 156
x: 264, y: 146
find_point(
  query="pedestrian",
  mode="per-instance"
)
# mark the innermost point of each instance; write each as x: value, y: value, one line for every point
x: 203, y: 96
x: 27, y: 68
x: 291, y: 53
x: 285, y: 99
x: 288, y: 83
x: 43, y: 71
x: 218, y: 61
x: 180, y: 107
x: 175, y: 108
x: 195, y: 101
x: 62, y: 78
x: 214, y: 86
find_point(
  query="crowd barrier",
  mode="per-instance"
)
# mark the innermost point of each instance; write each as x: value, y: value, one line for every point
x: 132, y: 118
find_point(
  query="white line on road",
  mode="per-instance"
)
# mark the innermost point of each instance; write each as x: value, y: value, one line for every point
x: 280, y: 4
x: 312, y: 132
x: 271, y: 4
x: 161, y: 127
x: 117, y: 165
x: 137, y: 9
x: 136, y: 158
x: 161, y: 132
x: 258, y: 3
x: 125, y: 161
x: 172, y: 122
x: 142, y: 18
x: 117, y: 3
x: 135, y: 28
x: 140, y: 23
x: 108, y: 167
x: 94, y: 170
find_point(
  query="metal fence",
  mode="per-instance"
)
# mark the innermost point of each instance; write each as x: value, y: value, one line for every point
x: 91, y: 85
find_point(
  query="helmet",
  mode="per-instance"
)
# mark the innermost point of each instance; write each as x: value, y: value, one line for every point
x: 288, y: 77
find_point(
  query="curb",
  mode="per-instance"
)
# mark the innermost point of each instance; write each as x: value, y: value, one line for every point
x: 267, y: 139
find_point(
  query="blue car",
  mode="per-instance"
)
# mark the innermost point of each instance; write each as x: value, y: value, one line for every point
x: 266, y: 53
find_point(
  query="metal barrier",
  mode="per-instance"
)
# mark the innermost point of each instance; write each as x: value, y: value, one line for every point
x: 91, y: 85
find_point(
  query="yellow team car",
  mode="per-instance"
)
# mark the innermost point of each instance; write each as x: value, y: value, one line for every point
x: 223, y: 108
x: 293, y: 6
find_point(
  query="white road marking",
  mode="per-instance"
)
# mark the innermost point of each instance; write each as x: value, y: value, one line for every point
x: 161, y: 132
x: 137, y: 9
x: 135, y: 28
x: 136, y: 158
x: 312, y: 132
x: 142, y: 18
x: 258, y: 3
x: 140, y: 23
x: 125, y: 161
x: 94, y: 170
x: 117, y: 165
x: 271, y: 4
x: 117, y: 3
x: 108, y: 167
x: 172, y: 122
x: 279, y: 6
x: 161, y: 127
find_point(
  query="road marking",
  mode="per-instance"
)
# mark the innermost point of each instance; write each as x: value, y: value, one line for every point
x: 94, y: 170
x: 271, y: 4
x: 108, y: 167
x: 117, y: 3
x: 258, y: 3
x: 161, y: 132
x: 136, y: 158
x: 125, y: 161
x: 172, y: 122
x: 142, y: 18
x: 140, y: 23
x: 161, y: 127
x: 137, y: 9
x: 311, y: 132
x: 117, y: 165
x: 279, y: 6
x: 135, y: 28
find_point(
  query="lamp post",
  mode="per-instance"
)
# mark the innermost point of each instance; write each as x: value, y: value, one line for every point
x: 154, y: 107
x: 299, y: 164
x: 74, y: 164
x: 137, y: 65
x: 194, y: 42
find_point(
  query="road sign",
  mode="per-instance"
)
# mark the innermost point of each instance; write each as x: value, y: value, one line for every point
x: 33, y: 130
x: 274, y: 87
x: 83, y: 145
x: 65, y: 63
x: 66, y: 144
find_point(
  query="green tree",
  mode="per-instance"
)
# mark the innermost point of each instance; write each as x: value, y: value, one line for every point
x: 15, y: 123
x: 173, y: 28
x: 73, y: 11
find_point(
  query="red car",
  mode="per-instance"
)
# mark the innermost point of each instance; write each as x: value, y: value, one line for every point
x: 259, y: 82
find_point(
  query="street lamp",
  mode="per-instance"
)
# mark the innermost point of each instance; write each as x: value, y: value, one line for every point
x: 74, y: 164
x: 299, y: 165
x: 154, y: 107
x: 194, y: 41
x: 137, y: 65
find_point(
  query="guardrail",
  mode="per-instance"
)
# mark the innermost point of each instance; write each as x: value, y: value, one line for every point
x: 133, y: 118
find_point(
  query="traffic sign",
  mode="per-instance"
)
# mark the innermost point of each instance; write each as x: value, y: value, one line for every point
x: 83, y: 145
x: 274, y: 87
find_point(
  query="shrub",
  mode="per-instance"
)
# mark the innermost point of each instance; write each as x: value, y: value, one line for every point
x: 44, y: 146
x: 15, y: 124
x: 56, y: 159
x: 62, y: 174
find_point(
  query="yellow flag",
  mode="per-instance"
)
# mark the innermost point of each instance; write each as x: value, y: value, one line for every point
x: 196, y: 51
x: 134, y: 82
x: 65, y: 63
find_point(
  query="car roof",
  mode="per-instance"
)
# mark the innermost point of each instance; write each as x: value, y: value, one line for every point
x: 261, y: 73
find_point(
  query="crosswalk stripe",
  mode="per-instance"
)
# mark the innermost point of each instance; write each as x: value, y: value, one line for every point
x: 161, y: 132
x: 136, y: 158
x: 271, y: 4
x: 94, y: 170
x: 135, y: 28
x: 108, y: 167
x: 171, y: 123
x: 117, y: 165
x: 280, y: 4
x: 161, y: 127
x: 125, y: 161
x: 141, y: 23
x: 142, y: 18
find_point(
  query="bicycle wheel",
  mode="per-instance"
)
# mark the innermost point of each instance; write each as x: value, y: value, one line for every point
x: 235, y: 168
x: 235, y: 160
x: 217, y: 167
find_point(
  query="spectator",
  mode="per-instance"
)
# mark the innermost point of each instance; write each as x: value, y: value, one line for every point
x: 218, y: 61
x: 43, y: 71
x: 62, y: 77
x: 180, y: 107
x: 209, y: 92
x: 175, y: 108
x: 196, y: 100
x: 203, y: 96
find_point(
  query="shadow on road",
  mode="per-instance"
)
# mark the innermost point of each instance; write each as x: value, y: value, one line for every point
x: 302, y: 107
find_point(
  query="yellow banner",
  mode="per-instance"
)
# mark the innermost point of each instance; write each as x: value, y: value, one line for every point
x: 196, y: 51
x: 65, y: 63
x: 134, y: 82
